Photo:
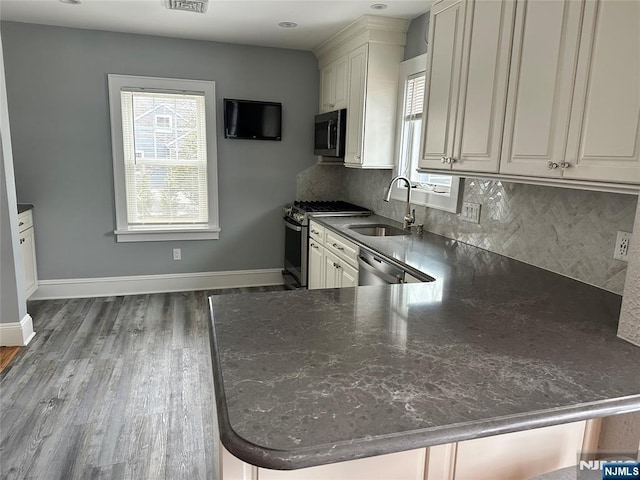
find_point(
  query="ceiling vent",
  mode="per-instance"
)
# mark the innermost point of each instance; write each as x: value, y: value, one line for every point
x: 198, y: 6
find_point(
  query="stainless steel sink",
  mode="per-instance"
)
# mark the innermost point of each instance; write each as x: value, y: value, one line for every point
x: 378, y: 230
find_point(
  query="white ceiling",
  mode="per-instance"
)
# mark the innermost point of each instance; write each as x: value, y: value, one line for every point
x: 235, y: 21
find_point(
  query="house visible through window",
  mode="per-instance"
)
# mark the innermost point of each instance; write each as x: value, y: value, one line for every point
x: 434, y: 190
x: 164, y: 158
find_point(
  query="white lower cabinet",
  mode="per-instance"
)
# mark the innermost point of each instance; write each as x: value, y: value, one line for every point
x: 338, y: 273
x: 316, y: 271
x: 332, y: 259
x: 28, y: 251
x: 512, y: 456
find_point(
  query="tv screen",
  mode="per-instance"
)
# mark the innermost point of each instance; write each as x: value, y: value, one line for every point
x: 252, y: 120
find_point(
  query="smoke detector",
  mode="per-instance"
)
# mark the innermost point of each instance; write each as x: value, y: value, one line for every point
x: 198, y: 6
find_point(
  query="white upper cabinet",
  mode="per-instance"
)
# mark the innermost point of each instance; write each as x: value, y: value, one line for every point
x: 604, y: 133
x: 540, y: 91
x: 365, y: 58
x: 334, y: 84
x: 443, y: 73
x: 545, y: 52
x: 467, y: 78
x: 355, y: 109
x: 371, y: 109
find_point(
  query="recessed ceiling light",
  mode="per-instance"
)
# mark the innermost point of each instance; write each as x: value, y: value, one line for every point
x: 288, y: 24
x: 71, y: 2
x: 379, y: 6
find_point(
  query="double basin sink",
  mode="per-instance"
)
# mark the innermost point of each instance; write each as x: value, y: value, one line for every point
x: 378, y: 230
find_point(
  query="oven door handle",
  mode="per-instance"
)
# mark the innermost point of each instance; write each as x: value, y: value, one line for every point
x: 292, y: 226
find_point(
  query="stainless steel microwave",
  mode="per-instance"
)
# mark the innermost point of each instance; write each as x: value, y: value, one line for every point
x: 330, y: 129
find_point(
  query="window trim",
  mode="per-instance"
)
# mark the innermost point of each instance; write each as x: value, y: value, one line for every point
x: 450, y: 203
x: 162, y: 232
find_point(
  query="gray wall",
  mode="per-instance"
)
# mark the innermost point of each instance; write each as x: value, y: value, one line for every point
x: 13, y: 305
x: 417, y: 36
x: 58, y: 106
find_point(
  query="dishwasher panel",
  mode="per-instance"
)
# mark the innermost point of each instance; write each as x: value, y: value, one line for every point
x: 374, y: 270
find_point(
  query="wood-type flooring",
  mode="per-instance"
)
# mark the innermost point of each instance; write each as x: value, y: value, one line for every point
x: 113, y: 388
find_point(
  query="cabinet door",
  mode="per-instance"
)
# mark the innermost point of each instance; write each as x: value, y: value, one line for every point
x: 28, y: 250
x: 542, y: 75
x: 442, y: 83
x: 355, y: 109
x: 348, y: 275
x: 316, y: 266
x: 604, y: 134
x: 331, y: 273
x: 341, y: 69
x: 327, y: 88
x: 519, y: 455
x: 483, y: 89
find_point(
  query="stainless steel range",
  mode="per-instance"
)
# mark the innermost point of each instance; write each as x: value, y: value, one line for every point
x: 296, y: 222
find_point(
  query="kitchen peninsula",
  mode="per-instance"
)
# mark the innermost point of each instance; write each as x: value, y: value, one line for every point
x: 492, y: 346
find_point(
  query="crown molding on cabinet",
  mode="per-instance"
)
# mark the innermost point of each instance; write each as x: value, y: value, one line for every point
x: 366, y: 29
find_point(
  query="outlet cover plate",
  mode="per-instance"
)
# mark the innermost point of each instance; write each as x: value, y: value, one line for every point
x: 621, y: 251
x: 177, y: 254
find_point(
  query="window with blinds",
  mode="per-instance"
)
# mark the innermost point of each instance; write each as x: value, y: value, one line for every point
x: 163, y: 134
x: 410, y: 132
x: 165, y: 157
x: 433, y: 190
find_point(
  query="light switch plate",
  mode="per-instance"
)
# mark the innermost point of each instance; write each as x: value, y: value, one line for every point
x: 470, y: 212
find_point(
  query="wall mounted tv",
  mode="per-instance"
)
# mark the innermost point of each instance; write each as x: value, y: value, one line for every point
x: 248, y: 119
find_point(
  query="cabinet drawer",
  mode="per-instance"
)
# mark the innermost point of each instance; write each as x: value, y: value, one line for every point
x: 25, y: 220
x: 342, y: 247
x: 316, y: 232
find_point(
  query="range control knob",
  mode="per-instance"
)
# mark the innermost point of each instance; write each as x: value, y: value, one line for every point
x: 298, y: 217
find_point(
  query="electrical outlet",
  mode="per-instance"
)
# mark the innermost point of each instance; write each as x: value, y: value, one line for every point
x: 177, y: 254
x: 470, y: 212
x: 622, y: 246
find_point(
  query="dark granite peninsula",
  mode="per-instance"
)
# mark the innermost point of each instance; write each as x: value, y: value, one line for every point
x: 493, y: 346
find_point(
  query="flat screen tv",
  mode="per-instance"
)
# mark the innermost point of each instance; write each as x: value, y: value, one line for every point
x: 248, y: 119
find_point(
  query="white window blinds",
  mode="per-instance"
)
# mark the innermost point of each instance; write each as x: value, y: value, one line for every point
x: 165, y: 157
x: 415, y: 95
x: 410, y: 138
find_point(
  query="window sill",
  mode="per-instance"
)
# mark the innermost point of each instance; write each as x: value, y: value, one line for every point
x: 165, y: 233
x: 447, y: 203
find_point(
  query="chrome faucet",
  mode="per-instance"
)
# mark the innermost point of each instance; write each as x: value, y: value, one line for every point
x: 410, y: 217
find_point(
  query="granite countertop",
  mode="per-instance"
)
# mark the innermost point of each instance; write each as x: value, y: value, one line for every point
x: 23, y: 207
x: 492, y: 346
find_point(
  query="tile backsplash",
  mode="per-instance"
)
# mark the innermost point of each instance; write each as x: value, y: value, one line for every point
x: 571, y: 232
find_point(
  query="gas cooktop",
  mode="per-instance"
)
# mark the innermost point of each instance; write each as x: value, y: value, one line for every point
x: 322, y: 206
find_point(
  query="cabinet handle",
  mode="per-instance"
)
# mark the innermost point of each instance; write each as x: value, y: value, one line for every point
x: 443, y: 160
x: 357, y: 157
x: 339, y: 248
x: 20, y: 224
x: 336, y: 265
x: 314, y: 231
x: 22, y: 240
x: 314, y: 245
x: 564, y: 165
x: 552, y: 165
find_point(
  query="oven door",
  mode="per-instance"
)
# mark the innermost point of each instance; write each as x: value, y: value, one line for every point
x: 295, y: 250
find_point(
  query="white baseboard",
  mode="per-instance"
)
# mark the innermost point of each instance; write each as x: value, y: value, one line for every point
x: 17, y: 333
x: 142, y: 284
